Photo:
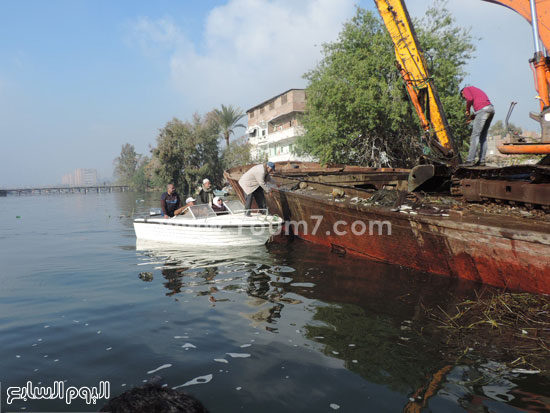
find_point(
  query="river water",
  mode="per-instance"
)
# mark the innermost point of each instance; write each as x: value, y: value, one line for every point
x: 284, y: 327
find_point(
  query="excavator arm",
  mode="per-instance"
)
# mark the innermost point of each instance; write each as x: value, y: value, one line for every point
x: 523, y: 8
x: 412, y: 65
x: 536, y: 12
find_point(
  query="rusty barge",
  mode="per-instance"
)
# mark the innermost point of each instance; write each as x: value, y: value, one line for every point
x: 505, y: 251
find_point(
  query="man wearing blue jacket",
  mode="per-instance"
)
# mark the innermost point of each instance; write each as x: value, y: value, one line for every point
x: 170, y: 201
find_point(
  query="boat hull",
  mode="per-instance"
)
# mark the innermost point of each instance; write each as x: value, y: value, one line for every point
x: 514, y: 258
x: 205, y: 235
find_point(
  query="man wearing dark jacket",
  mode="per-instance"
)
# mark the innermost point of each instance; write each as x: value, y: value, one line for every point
x: 206, y: 194
x: 170, y: 201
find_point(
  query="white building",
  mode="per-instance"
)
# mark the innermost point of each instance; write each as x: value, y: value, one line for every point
x: 81, y: 177
x: 274, y: 126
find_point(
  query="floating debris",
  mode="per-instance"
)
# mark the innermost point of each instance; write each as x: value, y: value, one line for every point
x: 517, y: 324
x: 238, y: 355
x: 524, y: 371
x: 164, y: 366
x: 197, y: 380
x: 146, y: 276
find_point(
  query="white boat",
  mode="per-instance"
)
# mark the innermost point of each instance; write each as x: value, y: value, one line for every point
x: 200, y: 225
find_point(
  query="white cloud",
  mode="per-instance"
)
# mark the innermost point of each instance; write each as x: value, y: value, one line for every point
x: 253, y: 49
x: 155, y: 36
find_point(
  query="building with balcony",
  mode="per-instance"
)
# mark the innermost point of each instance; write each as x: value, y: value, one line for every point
x: 274, y: 126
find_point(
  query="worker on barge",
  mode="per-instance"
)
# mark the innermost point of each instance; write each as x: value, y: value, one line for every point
x: 483, y: 114
x: 253, y: 183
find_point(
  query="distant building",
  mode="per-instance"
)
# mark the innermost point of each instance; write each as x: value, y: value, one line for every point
x: 274, y: 126
x: 81, y: 177
x: 68, y: 180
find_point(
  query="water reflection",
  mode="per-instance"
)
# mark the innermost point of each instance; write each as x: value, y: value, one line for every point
x: 368, y: 315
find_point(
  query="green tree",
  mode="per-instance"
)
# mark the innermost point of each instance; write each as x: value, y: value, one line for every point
x: 358, y: 108
x: 126, y: 164
x: 226, y: 119
x: 186, y: 152
x: 143, y: 179
x: 237, y: 153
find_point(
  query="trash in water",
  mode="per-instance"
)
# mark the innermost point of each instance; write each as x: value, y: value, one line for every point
x: 197, y: 380
x: 146, y: 276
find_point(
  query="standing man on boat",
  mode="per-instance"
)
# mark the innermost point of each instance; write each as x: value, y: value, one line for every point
x: 253, y: 183
x: 483, y: 115
x: 206, y: 194
x: 170, y: 201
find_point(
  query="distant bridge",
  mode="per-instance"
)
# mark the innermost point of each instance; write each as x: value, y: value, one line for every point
x: 64, y: 190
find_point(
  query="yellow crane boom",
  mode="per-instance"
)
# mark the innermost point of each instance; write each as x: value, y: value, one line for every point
x: 413, y: 68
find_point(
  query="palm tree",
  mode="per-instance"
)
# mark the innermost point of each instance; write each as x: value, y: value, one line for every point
x: 227, y: 119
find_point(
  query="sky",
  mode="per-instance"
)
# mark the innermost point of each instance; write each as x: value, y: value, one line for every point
x: 80, y: 78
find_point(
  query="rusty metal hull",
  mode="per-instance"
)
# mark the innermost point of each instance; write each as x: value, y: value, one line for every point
x: 501, y: 251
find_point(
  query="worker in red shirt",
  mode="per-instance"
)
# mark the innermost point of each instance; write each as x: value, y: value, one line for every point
x: 483, y: 115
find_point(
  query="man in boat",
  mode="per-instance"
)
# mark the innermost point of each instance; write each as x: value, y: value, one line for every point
x: 218, y: 206
x: 169, y: 201
x: 206, y: 194
x: 253, y: 183
x: 482, y: 116
x: 189, y: 202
